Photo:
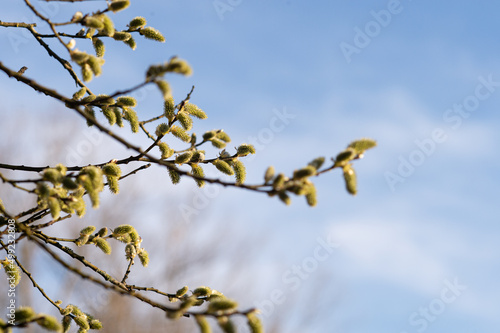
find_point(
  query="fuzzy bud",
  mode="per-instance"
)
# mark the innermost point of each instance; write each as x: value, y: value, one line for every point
x: 182, y: 291
x: 117, y: 5
x: 239, y: 171
x: 166, y: 151
x: 350, y: 179
x: 136, y: 23
x: 195, y: 111
x: 175, y: 177
x: 180, y: 133
x: 185, y: 120
x: 153, y: 34
x: 223, y: 167
x: 103, y: 245
x: 184, y: 157
x: 245, y: 149
x: 144, y: 257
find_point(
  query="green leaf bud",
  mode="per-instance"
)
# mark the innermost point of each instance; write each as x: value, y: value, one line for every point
x: 164, y: 88
x: 180, y: 133
x: 222, y: 305
x: 308, y: 171
x: 93, y: 22
x: 218, y: 143
x: 102, y: 232
x: 239, y: 171
x: 317, y: 163
x: 66, y: 323
x: 350, y: 179
x: 134, y: 237
x: 113, y: 184
x: 182, y: 291
x: 131, y: 43
x: 203, y: 324
x: 185, y: 120
x: 24, y: 313
x: 180, y: 66
x: 82, y: 322
x: 117, y: 5
x: 88, y: 230
x: 103, y: 99
x: 269, y: 175
x: 209, y: 135
x: 49, y: 323
x: 131, y: 116
x: 122, y: 230
x: 99, y: 47
x: 89, y: 111
x: 174, y: 314
x: 152, y: 33
x: 226, y: 325
x: 279, y: 181
x: 198, y: 171
x: 345, y: 156
x: 166, y: 151
x: 79, y: 94
x: 202, y: 291
x: 88, y: 99
x: 13, y: 271
x: 130, y: 251
x: 111, y: 169
x: 118, y: 116
x: 95, y: 64
x: 195, y: 111
x: 79, y: 57
x: 121, y: 36
x: 184, y: 157
x: 254, y: 323
x: 82, y: 240
x: 285, y: 198
x: 110, y: 114
x: 75, y: 310
x: 245, y: 149
x: 103, y: 245
x: 221, y: 135
x: 169, y: 109
x: 52, y: 175
x: 162, y: 129
x: 69, y: 184
x: 126, y: 101
x: 109, y: 28
x: 55, y: 207
x: 223, y: 167
x: 79, y: 207
x: 43, y: 190
x: 311, y: 196
x: 175, y: 177
x: 361, y: 145
x: 87, y: 74
x: 143, y: 257
x: 95, y: 324
x: 137, y: 22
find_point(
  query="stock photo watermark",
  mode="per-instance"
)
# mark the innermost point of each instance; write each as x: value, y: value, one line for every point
x: 201, y: 198
x: 453, y: 117
x: 11, y: 278
x: 224, y: 6
x: 364, y: 36
x: 20, y: 37
x: 293, y: 277
x: 421, y: 319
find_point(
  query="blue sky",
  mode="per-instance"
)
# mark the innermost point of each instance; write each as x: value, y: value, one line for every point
x: 399, y: 246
